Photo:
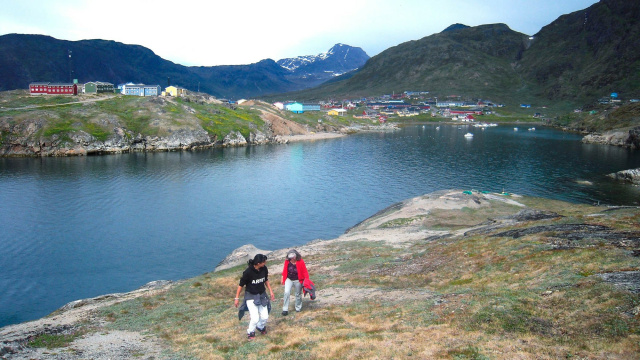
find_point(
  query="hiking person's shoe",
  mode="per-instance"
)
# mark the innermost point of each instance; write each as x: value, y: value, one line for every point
x: 251, y: 336
x: 285, y: 313
x: 263, y: 331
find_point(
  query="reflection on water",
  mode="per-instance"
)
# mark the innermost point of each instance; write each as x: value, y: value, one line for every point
x: 80, y: 227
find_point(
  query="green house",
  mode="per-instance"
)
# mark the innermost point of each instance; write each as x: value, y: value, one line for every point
x: 95, y: 87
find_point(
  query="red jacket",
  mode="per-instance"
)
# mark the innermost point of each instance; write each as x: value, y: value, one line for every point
x: 302, y: 270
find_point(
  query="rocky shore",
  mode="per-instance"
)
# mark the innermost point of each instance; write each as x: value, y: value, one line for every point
x: 442, y: 239
x: 623, y: 138
x: 112, y: 125
x: 630, y: 176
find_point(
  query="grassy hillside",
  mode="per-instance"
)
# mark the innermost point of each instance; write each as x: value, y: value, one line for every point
x: 470, y: 61
x: 445, y: 275
x: 26, y: 119
x: 587, y: 54
x: 601, y: 118
x: 571, y: 62
x: 29, y: 58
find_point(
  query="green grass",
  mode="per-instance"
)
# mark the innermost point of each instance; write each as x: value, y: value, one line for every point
x: 58, y: 127
x: 53, y: 341
x: 97, y: 131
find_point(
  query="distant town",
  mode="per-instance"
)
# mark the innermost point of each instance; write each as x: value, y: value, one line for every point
x: 405, y: 104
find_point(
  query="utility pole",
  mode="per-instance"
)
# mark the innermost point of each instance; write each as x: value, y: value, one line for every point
x: 70, y: 67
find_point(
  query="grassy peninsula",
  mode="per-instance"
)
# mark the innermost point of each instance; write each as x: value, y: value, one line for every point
x: 447, y: 275
x: 98, y: 124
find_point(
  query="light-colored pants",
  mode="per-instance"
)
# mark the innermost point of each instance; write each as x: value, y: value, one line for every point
x: 287, y: 294
x: 259, y: 316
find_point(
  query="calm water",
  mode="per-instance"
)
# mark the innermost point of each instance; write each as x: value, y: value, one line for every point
x: 74, y: 228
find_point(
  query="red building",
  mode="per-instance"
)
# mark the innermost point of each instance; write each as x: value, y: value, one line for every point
x: 44, y: 88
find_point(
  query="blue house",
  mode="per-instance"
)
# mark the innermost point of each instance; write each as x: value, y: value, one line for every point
x: 299, y: 108
x: 141, y: 89
x: 295, y: 107
x: 310, y: 107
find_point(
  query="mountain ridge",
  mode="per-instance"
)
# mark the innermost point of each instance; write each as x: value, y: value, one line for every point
x: 26, y: 58
x: 573, y: 61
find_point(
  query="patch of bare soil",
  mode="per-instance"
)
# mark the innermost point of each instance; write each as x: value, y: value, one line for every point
x: 343, y: 296
x: 281, y: 126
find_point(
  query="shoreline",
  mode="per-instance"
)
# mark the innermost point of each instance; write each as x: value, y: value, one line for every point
x: 396, y: 229
x: 308, y: 137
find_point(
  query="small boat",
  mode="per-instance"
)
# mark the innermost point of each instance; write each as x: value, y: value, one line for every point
x: 437, y: 127
x: 468, y: 135
x: 532, y: 129
x: 515, y: 129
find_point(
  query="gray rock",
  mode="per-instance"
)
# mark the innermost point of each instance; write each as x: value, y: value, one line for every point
x: 234, y: 138
x: 628, y: 280
x: 240, y: 256
x: 631, y: 175
x: 629, y: 138
x: 258, y: 138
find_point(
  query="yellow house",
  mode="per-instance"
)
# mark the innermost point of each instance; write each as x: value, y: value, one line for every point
x: 336, y: 112
x: 175, y: 91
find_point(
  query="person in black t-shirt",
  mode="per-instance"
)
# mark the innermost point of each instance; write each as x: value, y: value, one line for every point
x: 255, y: 278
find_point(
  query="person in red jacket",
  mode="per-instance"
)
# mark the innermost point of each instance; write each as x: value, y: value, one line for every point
x: 293, y: 275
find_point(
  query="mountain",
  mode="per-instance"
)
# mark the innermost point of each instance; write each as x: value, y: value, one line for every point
x: 587, y: 54
x: 460, y: 60
x: 577, y: 58
x: 29, y: 58
x: 316, y: 69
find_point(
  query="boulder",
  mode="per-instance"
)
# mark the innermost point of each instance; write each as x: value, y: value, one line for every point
x: 240, y: 256
x: 631, y: 175
x: 257, y: 137
x: 234, y: 138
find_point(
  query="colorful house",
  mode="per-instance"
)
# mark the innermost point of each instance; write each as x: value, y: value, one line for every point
x: 175, y: 91
x: 45, y: 88
x: 141, y: 89
x: 295, y: 107
x: 97, y: 87
x: 310, y: 107
x: 337, y: 112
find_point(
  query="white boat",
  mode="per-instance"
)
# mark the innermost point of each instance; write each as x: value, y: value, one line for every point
x: 515, y: 129
x: 468, y: 135
x: 437, y: 127
x: 532, y: 129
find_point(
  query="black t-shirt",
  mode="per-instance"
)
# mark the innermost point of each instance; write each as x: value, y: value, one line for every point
x: 254, y: 279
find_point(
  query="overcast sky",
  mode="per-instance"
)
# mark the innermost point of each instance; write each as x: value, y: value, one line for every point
x: 213, y: 32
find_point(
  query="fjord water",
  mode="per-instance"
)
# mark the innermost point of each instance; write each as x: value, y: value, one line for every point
x: 80, y: 227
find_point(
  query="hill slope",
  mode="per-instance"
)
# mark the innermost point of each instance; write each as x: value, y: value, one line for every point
x: 445, y: 275
x: 29, y: 58
x: 587, y: 54
x: 467, y: 60
x: 574, y: 60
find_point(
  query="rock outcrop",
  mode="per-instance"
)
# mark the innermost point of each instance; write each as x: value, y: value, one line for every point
x: 631, y: 175
x: 629, y: 139
x: 240, y: 256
